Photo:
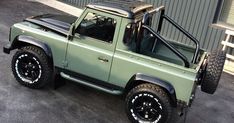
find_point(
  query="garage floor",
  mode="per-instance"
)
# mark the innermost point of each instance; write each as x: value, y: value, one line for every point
x: 74, y: 103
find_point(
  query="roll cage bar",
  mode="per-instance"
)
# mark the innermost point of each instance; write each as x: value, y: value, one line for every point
x: 145, y: 25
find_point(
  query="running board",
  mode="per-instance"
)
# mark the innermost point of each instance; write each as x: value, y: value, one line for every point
x: 86, y: 83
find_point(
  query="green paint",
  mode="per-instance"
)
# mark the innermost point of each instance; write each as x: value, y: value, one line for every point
x: 82, y: 55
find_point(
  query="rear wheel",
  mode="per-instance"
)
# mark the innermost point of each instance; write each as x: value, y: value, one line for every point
x: 148, y: 103
x: 213, y: 72
x: 31, y: 67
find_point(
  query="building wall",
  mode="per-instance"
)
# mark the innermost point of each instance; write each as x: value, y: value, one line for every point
x: 196, y: 16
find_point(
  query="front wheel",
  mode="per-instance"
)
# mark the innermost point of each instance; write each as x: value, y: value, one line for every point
x: 148, y: 103
x: 31, y: 67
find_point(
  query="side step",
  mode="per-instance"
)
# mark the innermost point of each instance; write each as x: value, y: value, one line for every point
x: 86, y: 83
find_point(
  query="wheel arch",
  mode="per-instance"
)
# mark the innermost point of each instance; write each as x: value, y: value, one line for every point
x: 139, y: 78
x: 23, y: 40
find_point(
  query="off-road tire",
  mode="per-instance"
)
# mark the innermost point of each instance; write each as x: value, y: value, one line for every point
x: 213, y: 71
x: 42, y: 67
x: 159, y: 97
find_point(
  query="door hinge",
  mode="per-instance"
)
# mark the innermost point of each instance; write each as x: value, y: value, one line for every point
x: 65, y: 64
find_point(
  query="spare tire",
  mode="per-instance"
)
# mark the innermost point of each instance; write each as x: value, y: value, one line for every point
x: 213, y: 71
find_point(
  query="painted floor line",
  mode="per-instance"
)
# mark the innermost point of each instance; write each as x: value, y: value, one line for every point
x: 61, y: 6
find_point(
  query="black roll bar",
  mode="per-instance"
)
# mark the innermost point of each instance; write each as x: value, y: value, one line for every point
x: 168, y: 45
x: 163, y: 16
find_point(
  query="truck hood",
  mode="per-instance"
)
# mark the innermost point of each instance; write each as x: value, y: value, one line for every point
x: 57, y: 23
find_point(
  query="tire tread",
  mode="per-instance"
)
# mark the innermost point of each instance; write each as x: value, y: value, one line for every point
x: 159, y: 92
x: 43, y: 59
x: 213, y: 71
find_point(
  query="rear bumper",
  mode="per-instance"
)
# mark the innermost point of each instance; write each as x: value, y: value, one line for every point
x: 7, y: 49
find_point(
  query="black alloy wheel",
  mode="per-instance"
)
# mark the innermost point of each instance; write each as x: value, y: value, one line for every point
x: 31, y: 67
x: 28, y: 68
x: 148, y: 103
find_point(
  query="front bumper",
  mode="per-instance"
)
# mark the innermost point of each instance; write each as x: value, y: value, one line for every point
x: 7, y: 49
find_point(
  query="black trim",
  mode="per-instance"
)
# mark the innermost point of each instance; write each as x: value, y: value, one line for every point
x: 123, y: 8
x: 138, y: 78
x: 191, y: 37
x: 89, y: 79
x: 7, y: 49
x: 160, y: 24
x: 168, y: 45
x: 163, y: 16
x: 32, y: 41
x: 10, y: 35
x: 23, y: 40
x: 56, y: 29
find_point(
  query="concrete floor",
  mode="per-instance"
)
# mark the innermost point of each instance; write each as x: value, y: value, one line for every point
x: 74, y: 103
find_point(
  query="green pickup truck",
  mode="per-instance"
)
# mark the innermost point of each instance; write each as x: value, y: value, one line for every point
x: 112, y: 47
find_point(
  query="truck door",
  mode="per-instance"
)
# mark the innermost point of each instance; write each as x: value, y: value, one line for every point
x: 91, y: 51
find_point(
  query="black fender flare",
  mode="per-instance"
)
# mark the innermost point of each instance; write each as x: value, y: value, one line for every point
x: 141, y: 78
x: 24, y: 40
x: 17, y: 43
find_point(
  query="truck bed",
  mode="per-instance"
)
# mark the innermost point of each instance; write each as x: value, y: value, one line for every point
x: 163, y: 53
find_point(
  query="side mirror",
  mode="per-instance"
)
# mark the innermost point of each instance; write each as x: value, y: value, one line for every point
x: 71, y: 31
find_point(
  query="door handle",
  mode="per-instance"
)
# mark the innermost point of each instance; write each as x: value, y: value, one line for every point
x: 103, y: 59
